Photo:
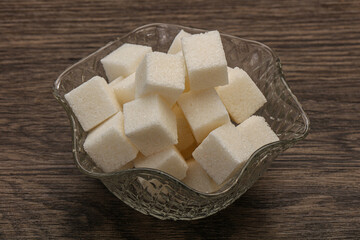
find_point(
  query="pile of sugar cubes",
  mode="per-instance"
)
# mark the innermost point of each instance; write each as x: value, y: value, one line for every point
x: 171, y: 111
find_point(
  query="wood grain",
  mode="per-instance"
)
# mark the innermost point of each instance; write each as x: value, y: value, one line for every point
x: 312, y: 191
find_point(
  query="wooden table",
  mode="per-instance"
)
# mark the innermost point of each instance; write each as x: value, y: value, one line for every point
x: 312, y: 191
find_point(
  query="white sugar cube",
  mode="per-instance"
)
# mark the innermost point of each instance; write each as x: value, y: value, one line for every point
x: 187, y: 83
x: 198, y: 179
x: 241, y: 96
x: 124, y: 60
x: 257, y: 131
x: 162, y: 74
x: 108, y: 146
x: 125, y: 89
x: 185, y: 136
x: 204, y: 111
x: 150, y: 124
x: 116, y: 81
x: 222, y: 152
x: 168, y: 160
x: 205, y: 60
x: 176, y: 44
x: 92, y: 102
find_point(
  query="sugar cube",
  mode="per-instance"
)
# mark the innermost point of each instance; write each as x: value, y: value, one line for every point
x: 241, y: 96
x: 124, y: 60
x: 187, y: 83
x: 257, y: 131
x: 92, y: 102
x: 198, y: 179
x: 108, y: 146
x: 204, y: 111
x: 176, y: 44
x: 222, y: 152
x: 205, y: 60
x: 162, y: 74
x: 168, y: 160
x: 150, y: 124
x: 185, y: 136
x: 116, y: 81
x: 125, y: 89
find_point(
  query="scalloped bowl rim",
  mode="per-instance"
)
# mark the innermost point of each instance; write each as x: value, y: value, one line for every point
x: 159, y: 172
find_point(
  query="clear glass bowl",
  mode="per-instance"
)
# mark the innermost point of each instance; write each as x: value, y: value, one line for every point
x: 157, y: 193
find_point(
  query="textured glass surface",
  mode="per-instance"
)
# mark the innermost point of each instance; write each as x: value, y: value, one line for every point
x: 158, y: 194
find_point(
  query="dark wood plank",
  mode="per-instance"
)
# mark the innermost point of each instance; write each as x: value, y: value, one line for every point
x: 311, y: 191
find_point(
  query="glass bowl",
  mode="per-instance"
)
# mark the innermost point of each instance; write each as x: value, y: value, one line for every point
x: 158, y: 194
